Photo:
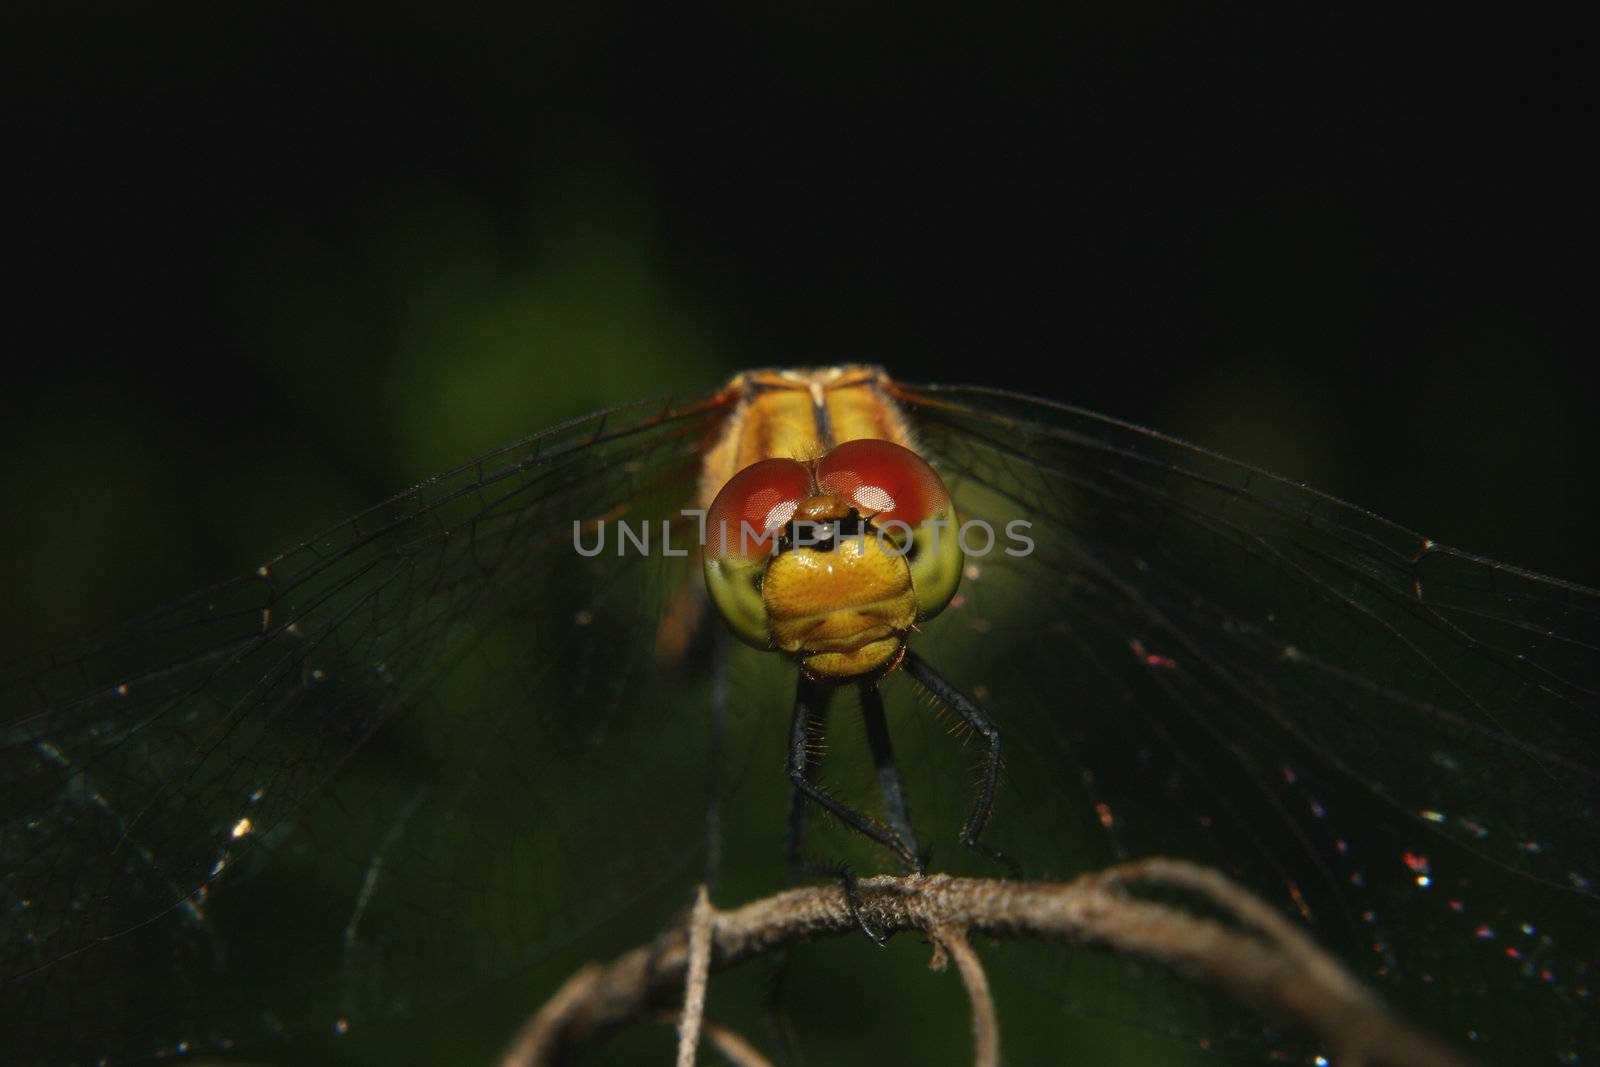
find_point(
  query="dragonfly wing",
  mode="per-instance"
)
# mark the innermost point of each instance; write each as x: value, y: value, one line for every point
x: 1392, y: 739
x: 395, y: 727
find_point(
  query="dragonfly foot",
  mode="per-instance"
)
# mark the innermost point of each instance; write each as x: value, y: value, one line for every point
x: 846, y: 877
x: 852, y: 901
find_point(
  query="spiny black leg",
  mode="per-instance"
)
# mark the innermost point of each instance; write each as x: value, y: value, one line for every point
x: 805, y: 738
x: 973, y: 716
x: 811, y: 695
x: 810, y: 714
x: 894, y: 798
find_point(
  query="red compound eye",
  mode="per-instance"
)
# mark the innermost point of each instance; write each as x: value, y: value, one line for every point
x: 884, y: 481
x: 755, y: 505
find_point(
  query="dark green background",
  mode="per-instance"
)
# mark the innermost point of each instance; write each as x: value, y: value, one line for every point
x: 266, y: 270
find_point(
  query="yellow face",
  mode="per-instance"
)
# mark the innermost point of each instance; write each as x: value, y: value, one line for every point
x: 843, y: 609
x: 832, y: 563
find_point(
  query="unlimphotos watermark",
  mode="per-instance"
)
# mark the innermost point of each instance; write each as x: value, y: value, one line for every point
x: 976, y: 537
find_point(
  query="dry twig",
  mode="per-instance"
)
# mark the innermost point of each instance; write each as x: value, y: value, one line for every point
x: 951, y: 941
x: 735, y: 1049
x: 697, y: 975
x: 1268, y: 964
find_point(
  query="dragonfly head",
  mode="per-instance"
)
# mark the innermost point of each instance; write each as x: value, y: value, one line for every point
x: 833, y: 563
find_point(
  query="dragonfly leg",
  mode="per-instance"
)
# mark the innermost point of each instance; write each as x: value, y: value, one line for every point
x: 810, y: 703
x: 973, y: 716
x: 805, y: 729
x: 894, y: 798
x: 810, y: 709
x: 805, y: 739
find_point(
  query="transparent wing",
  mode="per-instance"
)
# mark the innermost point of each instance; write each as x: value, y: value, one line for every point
x: 355, y: 781
x: 425, y: 748
x: 1393, y: 739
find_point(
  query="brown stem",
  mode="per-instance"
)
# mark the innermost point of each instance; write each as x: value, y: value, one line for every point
x: 951, y: 941
x: 1270, y: 964
x: 697, y: 976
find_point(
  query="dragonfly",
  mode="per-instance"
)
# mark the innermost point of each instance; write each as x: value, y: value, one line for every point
x: 824, y: 542
x: 438, y: 743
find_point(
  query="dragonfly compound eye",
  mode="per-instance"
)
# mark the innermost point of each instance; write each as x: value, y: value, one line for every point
x: 743, y: 527
x: 905, y: 499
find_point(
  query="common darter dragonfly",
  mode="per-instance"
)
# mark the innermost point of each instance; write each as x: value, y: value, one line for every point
x: 436, y: 744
